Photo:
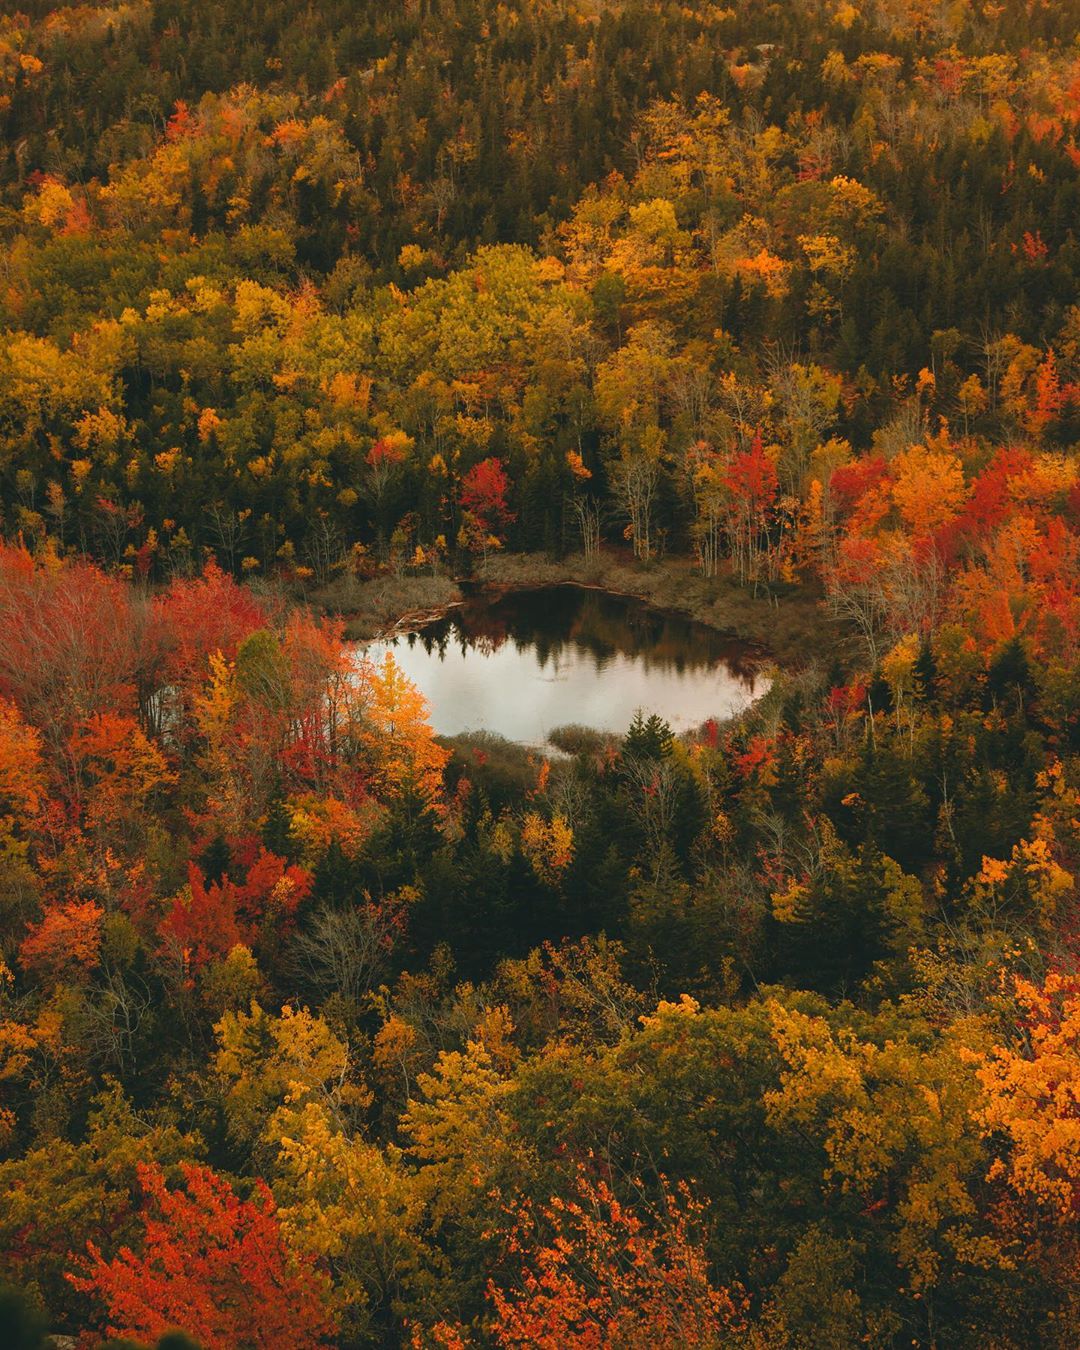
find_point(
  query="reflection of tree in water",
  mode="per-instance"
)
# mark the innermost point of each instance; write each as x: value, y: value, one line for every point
x: 559, y: 619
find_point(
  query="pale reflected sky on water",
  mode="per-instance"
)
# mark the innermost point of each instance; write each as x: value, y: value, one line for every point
x: 506, y: 689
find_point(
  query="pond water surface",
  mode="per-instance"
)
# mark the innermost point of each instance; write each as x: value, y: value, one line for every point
x: 525, y: 662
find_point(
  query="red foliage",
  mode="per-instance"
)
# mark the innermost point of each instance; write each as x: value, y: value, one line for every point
x: 1054, y: 567
x: 181, y: 124
x: 1072, y: 505
x: 215, y: 1266
x: 385, y: 453
x: 483, y: 493
x: 759, y: 758
x: 858, y: 560
x: 1034, y: 247
x: 220, y: 915
x: 194, y: 619
x: 844, y: 699
x: 950, y: 74
x: 987, y: 504
x: 751, y: 476
x: 851, y: 482
x: 67, y: 640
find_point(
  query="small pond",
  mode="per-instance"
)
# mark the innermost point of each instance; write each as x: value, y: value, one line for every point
x: 525, y: 662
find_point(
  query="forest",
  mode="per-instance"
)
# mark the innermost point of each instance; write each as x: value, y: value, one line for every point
x: 322, y: 1031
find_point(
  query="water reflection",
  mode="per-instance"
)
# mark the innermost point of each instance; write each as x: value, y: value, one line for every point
x: 523, y: 663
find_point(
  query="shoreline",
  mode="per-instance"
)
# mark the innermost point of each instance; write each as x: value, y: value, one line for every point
x: 790, y: 628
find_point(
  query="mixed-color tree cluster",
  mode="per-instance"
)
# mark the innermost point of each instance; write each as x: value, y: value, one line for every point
x: 316, y: 1030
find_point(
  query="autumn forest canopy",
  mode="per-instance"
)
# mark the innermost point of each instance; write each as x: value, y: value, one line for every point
x: 318, y: 1029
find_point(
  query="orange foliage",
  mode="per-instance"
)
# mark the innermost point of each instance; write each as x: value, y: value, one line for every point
x: 1033, y: 1096
x: 21, y: 769
x: 214, y: 1264
x: 68, y: 938
x: 116, y: 768
x: 597, y: 1276
x: 928, y: 488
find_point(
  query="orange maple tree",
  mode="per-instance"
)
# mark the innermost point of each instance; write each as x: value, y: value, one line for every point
x: 213, y: 1264
x: 68, y: 938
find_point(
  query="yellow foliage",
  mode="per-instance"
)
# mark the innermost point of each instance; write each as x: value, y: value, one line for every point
x: 1033, y: 1096
x: 102, y: 430
x: 785, y: 902
x: 826, y: 254
x: 548, y: 845
x: 895, y: 1122
x: 393, y: 1051
x: 266, y: 1062
x: 395, y: 729
x: 350, y: 1203
x: 410, y: 256
x: 459, y: 1130
x: 52, y: 206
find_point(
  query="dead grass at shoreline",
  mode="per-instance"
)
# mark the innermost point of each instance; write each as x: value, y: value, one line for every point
x: 374, y: 608
x: 792, y: 627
